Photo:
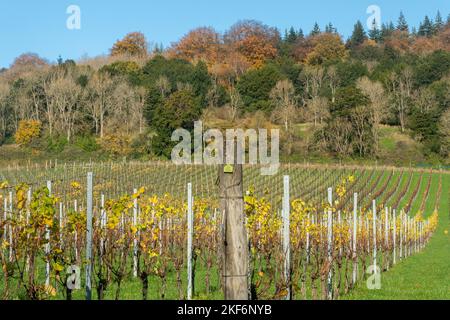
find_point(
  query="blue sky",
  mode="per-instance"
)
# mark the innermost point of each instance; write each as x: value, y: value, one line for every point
x: 40, y: 26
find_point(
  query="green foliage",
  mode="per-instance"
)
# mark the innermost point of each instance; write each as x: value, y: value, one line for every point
x: 201, y: 81
x: 142, y: 144
x: 402, y: 25
x: 347, y: 99
x: 179, y: 110
x: 54, y: 144
x: 432, y: 68
x: 426, y: 28
x: 349, y: 129
x: 87, y: 143
x: 176, y: 71
x: 350, y: 71
x: 358, y: 36
x: 255, y: 87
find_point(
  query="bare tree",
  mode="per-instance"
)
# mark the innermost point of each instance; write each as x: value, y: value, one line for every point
x: 4, y: 96
x: 338, y: 137
x: 283, y: 97
x: 126, y: 110
x: 318, y: 107
x: 400, y: 86
x: 36, y: 93
x: 137, y: 107
x: 313, y: 78
x: 360, y: 122
x: 425, y: 100
x: 64, y: 97
x: 333, y: 81
x: 378, y: 107
x: 163, y: 84
x: 213, y: 96
x: 100, y: 90
x: 444, y: 130
x: 236, y: 103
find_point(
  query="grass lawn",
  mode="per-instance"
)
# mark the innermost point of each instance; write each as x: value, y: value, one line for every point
x: 423, y: 276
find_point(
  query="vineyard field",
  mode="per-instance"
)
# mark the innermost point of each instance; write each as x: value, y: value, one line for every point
x: 140, y: 211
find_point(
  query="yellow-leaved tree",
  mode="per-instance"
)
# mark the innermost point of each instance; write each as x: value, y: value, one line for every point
x: 27, y: 132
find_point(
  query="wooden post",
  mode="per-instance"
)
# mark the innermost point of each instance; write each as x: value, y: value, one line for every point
x: 135, y: 241
x: 330, y: 245
x: 386, y: 228
x: 374, y: 227
x: 47, y: 246
x: 401, y: 235
x: 75, y: 236
x: 10, y: 227
x: 190, y: 233
x: 235, y: 243
x: 102, y: 224
x: 286, y: 237
x: 60, y: 224
x: 394, y: 240
x: 307, y: 239
x: 5, y: 218
x: 355, y: 230
x: 89, y: 208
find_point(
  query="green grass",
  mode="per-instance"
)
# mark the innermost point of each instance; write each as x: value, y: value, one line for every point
x: 423, y: 276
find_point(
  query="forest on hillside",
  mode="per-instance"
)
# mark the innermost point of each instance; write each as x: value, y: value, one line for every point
x: 345, y: 91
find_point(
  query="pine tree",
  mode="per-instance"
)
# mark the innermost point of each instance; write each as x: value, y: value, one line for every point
x: 385, y: 33
x: 402, y: 25
x: 374, y: 32
x: 358, y: 35
x: 330, y: 28
x: 316, y: 30
x: 438, y: 22
x: 386, y: 30
x: 291, y: 36
x: 391, y: 26
x: 426, y: 28
x: 300, y: 34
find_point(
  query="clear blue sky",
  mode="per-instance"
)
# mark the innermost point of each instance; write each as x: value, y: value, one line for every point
x: 40, y: 26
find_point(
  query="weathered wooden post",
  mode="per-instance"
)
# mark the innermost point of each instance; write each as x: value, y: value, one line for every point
x: 89, y: 208
x: 286, y: 237
x: 190, y: 234
x: 235, y: 244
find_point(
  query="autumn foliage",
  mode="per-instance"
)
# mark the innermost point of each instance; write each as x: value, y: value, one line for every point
x: 133, y: 44
x: 117, y: 144
x: 28, y: 131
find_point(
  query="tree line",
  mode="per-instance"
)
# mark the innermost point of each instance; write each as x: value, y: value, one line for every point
x: 129, y: 102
